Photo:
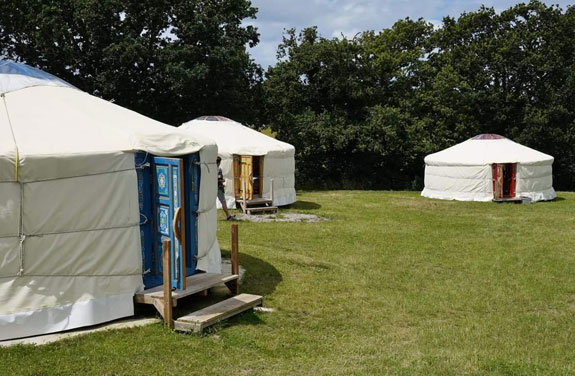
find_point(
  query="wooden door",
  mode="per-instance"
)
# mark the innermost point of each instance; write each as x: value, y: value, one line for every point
x: 504, y: 177
x: 246, y: 177
x: 237, y: 177
x: 497, y: 176
x: 509, y: 178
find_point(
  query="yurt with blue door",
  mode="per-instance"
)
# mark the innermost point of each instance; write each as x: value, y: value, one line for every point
x: 88, y: 190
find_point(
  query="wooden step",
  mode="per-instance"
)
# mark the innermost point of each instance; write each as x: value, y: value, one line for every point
x: 199, y: 320
x: 196, y: 283
x: 262, y: 209
x: 258, y: 201
x: 508, y: 199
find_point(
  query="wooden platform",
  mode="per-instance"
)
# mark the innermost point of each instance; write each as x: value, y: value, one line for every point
x: 199, y: 320
x: 517, y: 200
x: 164, y: 298
x: 195, y: 284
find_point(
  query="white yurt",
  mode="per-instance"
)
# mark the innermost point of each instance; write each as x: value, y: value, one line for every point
x: 250, y: 159
x: 70, y: 227
x: 489, y: 167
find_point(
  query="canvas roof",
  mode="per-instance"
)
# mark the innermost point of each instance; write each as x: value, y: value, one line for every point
x: 51, y: 117
x: 487, y: 149
x: 235, y: 138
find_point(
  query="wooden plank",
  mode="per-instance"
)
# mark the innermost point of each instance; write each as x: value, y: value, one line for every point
x: 196, y: 283
x: 235, y: 249
x: 197, y: 321
x: 159, y: 304
x: 234, y: 285
x: 258, y: 201
x: 167, y: 293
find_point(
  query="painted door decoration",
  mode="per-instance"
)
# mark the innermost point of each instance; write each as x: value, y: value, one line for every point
x: 169, y: 194
x: 168, y: 202
x: 504, y: 180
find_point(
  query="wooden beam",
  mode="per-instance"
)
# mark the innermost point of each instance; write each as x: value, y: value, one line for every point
x: 159, y: 304
x: 234, y: 286
x: 167, y: 305
x: 235, y: 265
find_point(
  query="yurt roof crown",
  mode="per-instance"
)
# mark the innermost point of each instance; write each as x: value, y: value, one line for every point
x: 16, y: 76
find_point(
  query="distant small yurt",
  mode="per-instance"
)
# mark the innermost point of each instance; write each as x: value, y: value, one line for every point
x: 88, y: 191
x: 489, y: 167
x: 254, y: 165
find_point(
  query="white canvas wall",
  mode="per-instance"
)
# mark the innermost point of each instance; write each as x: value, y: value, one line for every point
x: 474, y: 183
x: 209, y: 256
x: 71, y: 245
x: 463, y: 183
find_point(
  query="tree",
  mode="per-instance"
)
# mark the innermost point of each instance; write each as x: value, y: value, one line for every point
x: 344, y: 104
x: 364, y: 112
x: 171, y: 60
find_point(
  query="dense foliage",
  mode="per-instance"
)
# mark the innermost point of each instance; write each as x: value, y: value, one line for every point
x: 171, y: 60
x: 363, y: 112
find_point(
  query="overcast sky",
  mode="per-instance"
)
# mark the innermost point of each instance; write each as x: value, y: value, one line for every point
x: 334, y: 17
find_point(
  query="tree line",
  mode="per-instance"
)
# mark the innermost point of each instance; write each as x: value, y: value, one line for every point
x: 362, y: 112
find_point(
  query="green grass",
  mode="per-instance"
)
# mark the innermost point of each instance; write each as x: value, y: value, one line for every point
x: 394, y: 284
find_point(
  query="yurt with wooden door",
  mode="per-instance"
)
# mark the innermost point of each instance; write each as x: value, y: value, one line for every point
x: 254, y: 165
x: 88, y: 191
x: 489, y: 167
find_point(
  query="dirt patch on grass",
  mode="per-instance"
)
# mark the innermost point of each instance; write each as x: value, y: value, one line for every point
x: 281, y: 217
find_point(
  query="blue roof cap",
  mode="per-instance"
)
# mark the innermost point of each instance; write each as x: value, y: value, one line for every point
x: 15, y: 76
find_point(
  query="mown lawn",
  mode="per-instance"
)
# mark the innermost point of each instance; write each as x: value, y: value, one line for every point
x: 393, y: 284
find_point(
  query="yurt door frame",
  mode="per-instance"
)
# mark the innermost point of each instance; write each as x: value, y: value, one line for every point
x: 248, y: 176
x: 169, y: 195
x: 504, y: 180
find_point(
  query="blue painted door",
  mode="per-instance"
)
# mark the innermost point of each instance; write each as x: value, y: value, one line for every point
x: 192, y: 181
x: 169, y: 206
x: 164, y: 185
x: 149, y: 261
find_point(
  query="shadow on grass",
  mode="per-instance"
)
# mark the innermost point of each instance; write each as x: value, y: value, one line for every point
x: 260, y: 278
x: 559, y: 198
x: 304, y: 205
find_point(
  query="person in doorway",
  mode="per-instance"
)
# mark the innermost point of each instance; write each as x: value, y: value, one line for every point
x: 222, y: 193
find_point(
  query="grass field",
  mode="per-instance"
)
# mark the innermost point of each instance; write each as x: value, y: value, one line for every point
x: 393, y: 284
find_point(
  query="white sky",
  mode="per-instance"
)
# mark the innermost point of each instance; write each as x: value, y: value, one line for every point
x: 334, y: 17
